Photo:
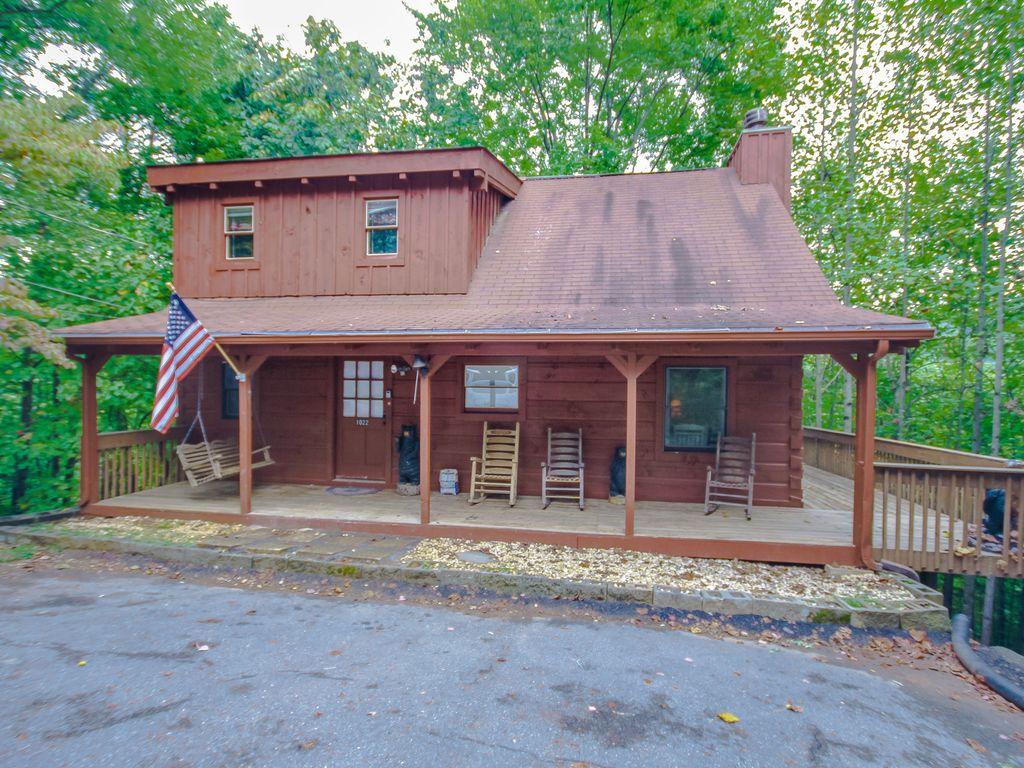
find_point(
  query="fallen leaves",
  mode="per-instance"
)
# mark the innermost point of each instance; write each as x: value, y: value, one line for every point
x: 793, y: 707
x: 979, y: 748
x: 82, y: 663
x: 728, y: 717
x: 307, y: 745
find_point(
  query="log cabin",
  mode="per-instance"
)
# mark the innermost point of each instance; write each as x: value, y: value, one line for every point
x: 361, y: 294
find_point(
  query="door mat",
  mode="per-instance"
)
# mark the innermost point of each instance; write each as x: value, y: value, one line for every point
x: 351, y: 490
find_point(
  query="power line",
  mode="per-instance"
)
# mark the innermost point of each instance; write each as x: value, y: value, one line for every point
x: 79, y: 223
x: 68, y: 293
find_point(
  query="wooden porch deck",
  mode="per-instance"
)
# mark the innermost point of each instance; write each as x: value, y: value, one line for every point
x: 818, y: 533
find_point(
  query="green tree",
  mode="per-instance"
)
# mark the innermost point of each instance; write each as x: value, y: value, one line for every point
x: 566, y: 86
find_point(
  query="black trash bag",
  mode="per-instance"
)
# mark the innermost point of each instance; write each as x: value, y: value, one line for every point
x: 994, y: 508
x: 617, y: 485
x: 409, y: 455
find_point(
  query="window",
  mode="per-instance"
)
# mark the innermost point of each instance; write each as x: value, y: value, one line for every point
x: 492, y: 387
x: 694, y: 407
x: 228, y: 393
x: 382, y: 227
x: 239, y: 231
x: 362, y: 389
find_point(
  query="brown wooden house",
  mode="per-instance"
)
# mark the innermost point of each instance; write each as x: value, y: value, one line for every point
x: 653, y: 311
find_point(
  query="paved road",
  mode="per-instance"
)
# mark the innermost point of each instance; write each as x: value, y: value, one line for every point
x: 297, y: 680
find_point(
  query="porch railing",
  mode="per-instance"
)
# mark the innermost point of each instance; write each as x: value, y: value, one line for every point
x: 930, y: 518
x: 833, y: 451
x: 137, y: 460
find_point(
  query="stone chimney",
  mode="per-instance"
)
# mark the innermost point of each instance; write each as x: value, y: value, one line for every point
x: 764, y: 155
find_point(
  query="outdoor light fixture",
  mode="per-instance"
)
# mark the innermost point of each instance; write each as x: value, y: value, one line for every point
x: 420, y: 365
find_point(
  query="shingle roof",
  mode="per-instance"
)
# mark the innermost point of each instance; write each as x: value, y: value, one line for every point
x: 684, y: 252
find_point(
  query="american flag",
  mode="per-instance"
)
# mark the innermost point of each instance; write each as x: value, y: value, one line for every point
x: 185, y: 344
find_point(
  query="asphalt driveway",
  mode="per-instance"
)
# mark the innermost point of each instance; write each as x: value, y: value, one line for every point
x: 129, y: 670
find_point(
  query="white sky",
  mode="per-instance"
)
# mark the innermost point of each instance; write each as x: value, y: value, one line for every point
x: 374, y: 23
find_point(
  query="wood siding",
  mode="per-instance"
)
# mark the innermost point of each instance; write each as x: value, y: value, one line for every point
x: 764, y: 156
x: 310, y: 239
x: 294, y: 400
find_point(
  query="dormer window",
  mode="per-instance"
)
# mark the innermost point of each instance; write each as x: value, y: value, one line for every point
x: 382, y: 227
x: 239, y: 231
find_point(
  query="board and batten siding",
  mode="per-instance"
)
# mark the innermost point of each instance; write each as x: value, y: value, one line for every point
x: 764, y: 397
x: 310, y: 239
x: 295, y: 401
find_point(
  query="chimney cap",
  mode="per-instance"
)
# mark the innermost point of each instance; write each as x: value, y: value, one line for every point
x: 755, y: 118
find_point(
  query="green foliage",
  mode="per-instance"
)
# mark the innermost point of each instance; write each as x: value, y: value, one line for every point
x: 333, y: 99
x: 569, y: 86
x: 900, y: 164
x: 906, y: 232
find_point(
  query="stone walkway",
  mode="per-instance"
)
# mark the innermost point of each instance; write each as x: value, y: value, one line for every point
x: 788, y: 593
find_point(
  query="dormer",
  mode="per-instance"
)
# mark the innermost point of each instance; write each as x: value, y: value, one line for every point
x: 410, y: 222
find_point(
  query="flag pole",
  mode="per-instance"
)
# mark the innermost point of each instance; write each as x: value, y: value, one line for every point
x: 238, y: 374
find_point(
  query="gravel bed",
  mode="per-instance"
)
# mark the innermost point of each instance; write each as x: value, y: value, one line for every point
x: 141, y: 529
x: 624, y: 567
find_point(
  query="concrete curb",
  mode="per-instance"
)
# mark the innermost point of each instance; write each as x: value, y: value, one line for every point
x: 923, y: 614
x: 39, y: 517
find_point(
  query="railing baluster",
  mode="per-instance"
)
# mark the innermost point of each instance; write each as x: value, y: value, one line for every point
x: 899, y: 511
x: 885, y: 512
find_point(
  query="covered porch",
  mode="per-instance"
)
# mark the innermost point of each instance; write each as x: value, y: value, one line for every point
x: 616, y: 394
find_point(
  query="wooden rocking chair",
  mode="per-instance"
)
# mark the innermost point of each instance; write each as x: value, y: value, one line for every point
x: 496, y: 471
x: 561, y: 476
x: 731, y: 481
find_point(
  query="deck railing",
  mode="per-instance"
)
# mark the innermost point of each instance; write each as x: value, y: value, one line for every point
x: 137, y: 460
x: 833, y: 451
x: 930, y: 518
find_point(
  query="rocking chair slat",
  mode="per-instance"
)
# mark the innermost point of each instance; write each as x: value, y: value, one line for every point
x: 561, y: 475
x: 496, y: 470
x: 731, y: 480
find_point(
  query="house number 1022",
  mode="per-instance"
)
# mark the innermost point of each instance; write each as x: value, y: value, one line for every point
x: 362, y: 422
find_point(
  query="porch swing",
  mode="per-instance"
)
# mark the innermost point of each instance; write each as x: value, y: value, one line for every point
x: 210, y: 460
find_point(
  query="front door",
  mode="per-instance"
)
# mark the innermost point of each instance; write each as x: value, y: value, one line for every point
x: 363, y: 443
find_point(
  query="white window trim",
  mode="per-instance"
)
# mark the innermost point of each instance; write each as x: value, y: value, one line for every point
x: 497, y: 408
x: 229, y: 233
x: 372, y: 228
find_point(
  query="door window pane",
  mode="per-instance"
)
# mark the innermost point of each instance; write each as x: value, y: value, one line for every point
x: 362, y: 389
x: 695, y: 400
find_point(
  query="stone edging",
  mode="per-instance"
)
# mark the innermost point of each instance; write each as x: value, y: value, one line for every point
x: 926, y: 612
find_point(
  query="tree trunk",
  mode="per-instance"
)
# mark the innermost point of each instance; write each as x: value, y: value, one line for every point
x: 850, y: 214
x: 23, y: 452
x: 981, y: 329
x: 819, y: 388
x: 986, y: 614
x: 1004, y: 239
x: 968, y: 604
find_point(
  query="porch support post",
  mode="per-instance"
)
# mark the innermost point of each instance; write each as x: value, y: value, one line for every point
x: 248, y: 367
x: 89, y: 463
x: 631, y: 366
x: 426, y: 377
x: 864, y: 368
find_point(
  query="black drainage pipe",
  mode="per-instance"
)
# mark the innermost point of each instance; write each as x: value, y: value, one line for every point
x: 980, y: 668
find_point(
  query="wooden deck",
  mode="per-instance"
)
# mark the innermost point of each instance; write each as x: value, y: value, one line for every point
x: 778, y: 524
x: 813, y: 534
